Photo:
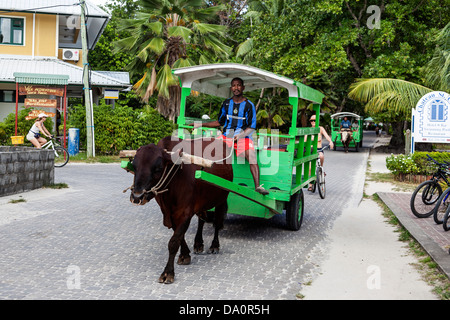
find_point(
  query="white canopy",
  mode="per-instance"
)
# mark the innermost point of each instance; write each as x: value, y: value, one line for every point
x: 215, y: 79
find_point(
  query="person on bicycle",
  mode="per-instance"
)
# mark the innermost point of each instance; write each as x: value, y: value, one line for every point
x: 322, y: 133
x: 34, y: 135
x: 238, y: 118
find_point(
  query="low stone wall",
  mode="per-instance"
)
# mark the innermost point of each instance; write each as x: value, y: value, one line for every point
x: 24, y: 169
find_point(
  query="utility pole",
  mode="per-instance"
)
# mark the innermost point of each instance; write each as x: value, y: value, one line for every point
x: 90, y: 147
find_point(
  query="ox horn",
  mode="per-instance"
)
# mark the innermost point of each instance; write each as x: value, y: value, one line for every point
x: 190, y: 159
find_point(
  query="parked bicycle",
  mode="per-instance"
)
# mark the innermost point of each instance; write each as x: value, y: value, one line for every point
x: 427, y: 195
x: 320, y: 178
x: 61, y: 153
x: 441, y: 206
x: 446, y: 220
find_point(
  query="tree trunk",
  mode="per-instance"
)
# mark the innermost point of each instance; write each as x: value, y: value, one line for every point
x: 398, y: 138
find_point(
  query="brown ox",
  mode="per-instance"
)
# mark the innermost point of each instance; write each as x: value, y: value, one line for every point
x: 346, y: 137
x: 179, y: 194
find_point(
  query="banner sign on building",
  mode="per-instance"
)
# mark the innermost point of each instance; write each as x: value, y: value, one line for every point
x: 30, y: 89
x: 431, y: 119
x: 45, y: 103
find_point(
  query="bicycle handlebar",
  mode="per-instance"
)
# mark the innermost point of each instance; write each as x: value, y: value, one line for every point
x: 444, y: 165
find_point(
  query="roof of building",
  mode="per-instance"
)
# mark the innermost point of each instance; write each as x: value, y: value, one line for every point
x: 48, y: 66
x: 65, y: 7
x: 69, y: 12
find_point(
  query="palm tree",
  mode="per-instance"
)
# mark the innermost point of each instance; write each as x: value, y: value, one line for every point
x: 169, y: 34
x: 400, y: 96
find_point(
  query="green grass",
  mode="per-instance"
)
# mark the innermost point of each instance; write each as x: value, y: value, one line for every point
x: 82, y: 157
x: 17, y: 200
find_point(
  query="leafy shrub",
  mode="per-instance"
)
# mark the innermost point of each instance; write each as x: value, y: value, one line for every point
x: 121, y: 127
x: 401, y: 164
x: 7, y: 127
x: 428, y: 167
x: 416, y: 163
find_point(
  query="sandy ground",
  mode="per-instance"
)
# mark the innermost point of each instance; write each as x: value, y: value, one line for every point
x: 366, y: 259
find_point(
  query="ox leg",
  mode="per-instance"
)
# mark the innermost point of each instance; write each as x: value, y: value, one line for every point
x: 168, y: 275
x: 184, y: 258
x: 198, y: 242
x: 219, y: 219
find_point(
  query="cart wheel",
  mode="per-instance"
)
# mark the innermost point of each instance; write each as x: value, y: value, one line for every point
x: 313, y: 187
x: 294, y: 211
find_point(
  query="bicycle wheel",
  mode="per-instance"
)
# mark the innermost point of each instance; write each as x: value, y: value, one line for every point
x: 321, y: 182
x: 446, y: 220
x: 423, y: 199
x: 441, y: 206
x: 61, y: 156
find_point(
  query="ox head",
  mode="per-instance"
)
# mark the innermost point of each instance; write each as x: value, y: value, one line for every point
x: 148, y: 164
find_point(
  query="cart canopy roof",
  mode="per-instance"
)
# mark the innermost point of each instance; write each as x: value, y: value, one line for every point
x: 215, y: 79
x: 346, y: 114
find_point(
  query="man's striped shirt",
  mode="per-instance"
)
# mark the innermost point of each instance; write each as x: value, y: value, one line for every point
x: 237, y: 117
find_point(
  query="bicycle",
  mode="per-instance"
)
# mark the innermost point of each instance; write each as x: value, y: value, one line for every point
x: 441, y: 207
x: 61, y: 153
x: 320, y: 178
x: 430, y: 191
x: 446, y: 220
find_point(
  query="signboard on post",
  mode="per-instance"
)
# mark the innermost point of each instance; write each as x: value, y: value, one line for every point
x: 33, y: 114
x: 46, y: 103
x: 431, y: 119
x: 31, y: 89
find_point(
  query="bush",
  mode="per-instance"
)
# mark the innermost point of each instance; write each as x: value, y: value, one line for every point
x: 7, y: 127
x: 121, y: 127
x: 401, y: 164
x: 416, y: 163
x: 428, y: 167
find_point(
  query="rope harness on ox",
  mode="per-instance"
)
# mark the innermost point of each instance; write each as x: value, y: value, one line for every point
x: 156, y: 188
x: 183, y: 158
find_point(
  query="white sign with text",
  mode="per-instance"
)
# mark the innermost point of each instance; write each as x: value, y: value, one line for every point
x: 431, y: 118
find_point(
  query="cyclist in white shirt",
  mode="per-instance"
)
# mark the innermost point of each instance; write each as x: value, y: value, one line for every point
x: 34, y: 135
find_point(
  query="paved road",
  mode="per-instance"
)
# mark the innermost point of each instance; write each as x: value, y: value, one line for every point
x: 89, y: 242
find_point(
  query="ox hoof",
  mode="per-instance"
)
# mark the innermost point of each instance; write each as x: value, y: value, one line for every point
x: 167, y: 278
x: 213, y: 250
x: 198, y: 248
x: 184, y: 260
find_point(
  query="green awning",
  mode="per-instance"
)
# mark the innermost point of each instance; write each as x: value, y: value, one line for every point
x: 41, y: 78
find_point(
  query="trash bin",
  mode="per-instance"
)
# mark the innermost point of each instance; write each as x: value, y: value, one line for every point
x: 74, y: 141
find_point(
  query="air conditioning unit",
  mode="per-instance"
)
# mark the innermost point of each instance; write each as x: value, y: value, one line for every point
x: 71, y: 54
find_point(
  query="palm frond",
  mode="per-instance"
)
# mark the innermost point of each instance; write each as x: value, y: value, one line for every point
x: 208, y: 28
x: 179, y: 31
x: 156, y: 45
x: 164, y: 80
x: 437, y: 71
x: 180, y: 63
x: 382, y: 94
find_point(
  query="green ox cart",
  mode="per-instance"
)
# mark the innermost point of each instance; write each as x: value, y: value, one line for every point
x: 357, y: 130
x: 284, y: 169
